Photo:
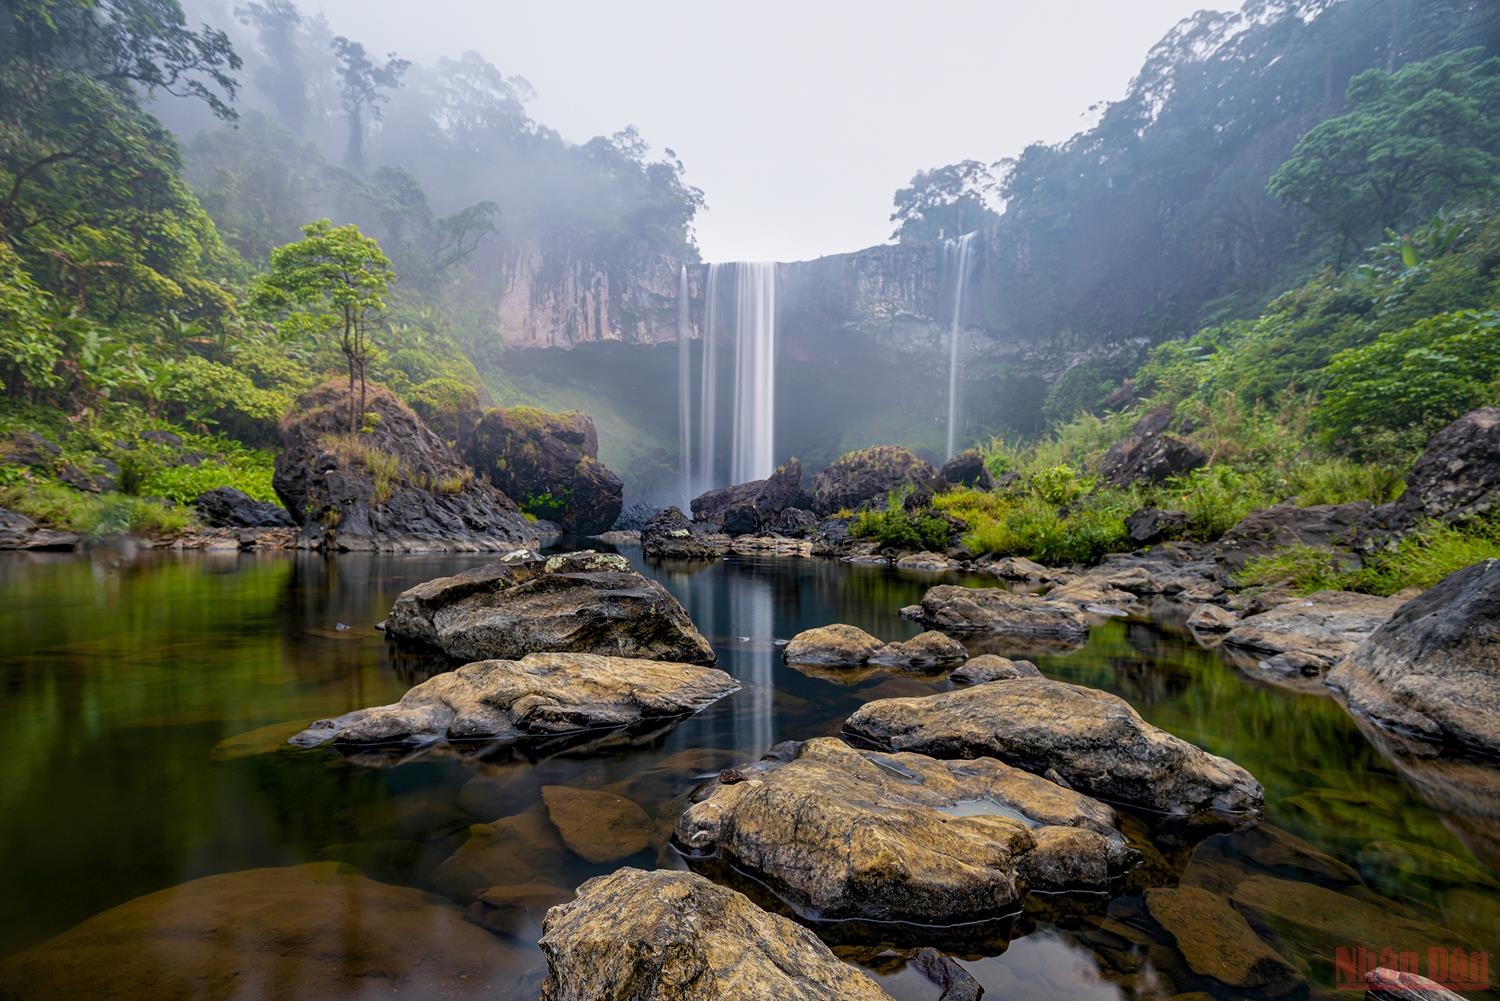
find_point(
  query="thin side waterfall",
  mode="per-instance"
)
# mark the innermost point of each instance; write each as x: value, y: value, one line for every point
x: 705, y: 470
x: 957, y: 251
x: 684, y: 388
x: 753, y: 455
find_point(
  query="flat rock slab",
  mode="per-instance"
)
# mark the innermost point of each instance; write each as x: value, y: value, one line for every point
x: 1325, y: 625
x: 599, y: 826
x: 316, y: 930
x: 1433, y: 670
x: 675, y: 936
x: 957, y: 609
x: 841, y: 833
x: 542, y: 694
x: 1092, y: 740
x: 1218, y: 942
x: 583, y: 602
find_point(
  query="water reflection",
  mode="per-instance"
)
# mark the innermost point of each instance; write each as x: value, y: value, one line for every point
x: 145, y: 702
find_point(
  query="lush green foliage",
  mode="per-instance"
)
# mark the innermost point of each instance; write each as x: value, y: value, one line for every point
x: 1419, y: 560
x: 945, y: 202
x: 896, y: 528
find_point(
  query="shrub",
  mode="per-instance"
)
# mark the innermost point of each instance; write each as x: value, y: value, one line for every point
x: 894, y: 528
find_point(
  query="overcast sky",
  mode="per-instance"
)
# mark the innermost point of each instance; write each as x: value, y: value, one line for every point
x: 798, y: 118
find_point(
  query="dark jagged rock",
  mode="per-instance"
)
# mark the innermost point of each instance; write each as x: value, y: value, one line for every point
x: 226, y: 507
x: 1457, y: 477
x: 967, y: 469
x: 1151, y: 524
x: 675, y: 936
x: 843, y: 833
x: 393, y: 487
x: 1094, y: 740
x: 549, y: 465
x: 19, y: 532
x: 795, y: 523
x: 1433, y: 670
x: 751, y: 507
x: 579, y: 602
x: 27, y: 448
x: 540, y: 695
x: 633, y: 517
x: 1334, y: 527
x: 99, y: 480
x: 866, y: 477
x: 1149, y: 454
x: 668, y: 535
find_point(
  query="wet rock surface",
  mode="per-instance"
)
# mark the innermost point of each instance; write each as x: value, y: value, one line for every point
x: 1433, y: 669
x: 1092, y: 740
x: 582, y: 602
x: 542, y: 694
x: 674, y: 936
x: 995, y: 610
x: 598, y: 826
x: 669, y: 535
x: 1317, y: 630
x: 842, y: 833
x: 19, y: 532
x: 868, y: 476
x: 226, y: 507
x: 270, y: 933
x: 1217, y: 942
x: 549, y: 464
x: 849, y: 646
x: 395, y: 487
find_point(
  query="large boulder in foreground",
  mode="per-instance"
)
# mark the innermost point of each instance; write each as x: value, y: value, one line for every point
x: 751, y: 507
x: 1092, y: 740
x: 842, y: 833
x: 1433, y: 670
x: 578, y: 602
x: 866, y: 477
x: 392, y: 486
x: 540, y: 695
x: 675, y: 936
x: 317, y: 930
x: 1314, y: 632
x: 549, y: 465
x: 1457, y: 477
x: 956, y: 609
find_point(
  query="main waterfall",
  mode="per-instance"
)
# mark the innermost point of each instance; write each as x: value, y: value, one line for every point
x: 684, y: 387
x: 957, y: 252
x: 742, y: 295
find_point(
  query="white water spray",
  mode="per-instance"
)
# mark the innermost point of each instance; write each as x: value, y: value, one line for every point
x: 753, y: 456
x: 958, y: 253
x: 705, y: 468
x: 684, y: 388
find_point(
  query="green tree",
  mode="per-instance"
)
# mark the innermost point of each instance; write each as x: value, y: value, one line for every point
x: 363, y: 85
x: 333, y: 279
x: 1413, y: 140
x: 944, y: 202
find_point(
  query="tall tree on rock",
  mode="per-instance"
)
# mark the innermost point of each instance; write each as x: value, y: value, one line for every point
x: 333, y: 279
x: 363, y: 85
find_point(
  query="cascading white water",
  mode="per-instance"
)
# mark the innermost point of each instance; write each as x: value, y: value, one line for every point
x: 705, y: 468
x: 957, y: 252
x: 753, y: 456
x: 684, y: 388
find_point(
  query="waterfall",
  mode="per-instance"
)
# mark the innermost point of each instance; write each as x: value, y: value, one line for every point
x: 684, y: 388
x: 753, y: 456
x: 958, y: 252
x: 705, y: 468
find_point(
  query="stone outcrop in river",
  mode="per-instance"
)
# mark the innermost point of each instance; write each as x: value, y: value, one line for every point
x: 1091, y: 740
x: 668, y: 535
x: 675, y: 936
x: 392, y: 486
x: 1433, y: 670
x: 850, y: 646
x: 578, y: 602
x: 549, y: 464
x: 1311, y: 634
x: 756, y: 506
x: 956, y: 609
x: 19, y: 532
x: 843, y: 833
x: 540, y: 695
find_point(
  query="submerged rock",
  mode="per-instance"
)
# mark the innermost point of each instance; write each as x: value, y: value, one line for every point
x: 849, y: 646
x: 599, y: 826
x: 549, y: 464
x: 996, y: 610
x: 582, y: 602
x: 867, y: 476
x: 392, y: 486
x: 1092, y: 740
x: 1433, y: 670
x: 675, y: 936
x: 668, y: 535
x: 542, y: 694
x: 316, y: 930
x: 843, y: 833
x: 1218, y: 943
x: 1317, y: 630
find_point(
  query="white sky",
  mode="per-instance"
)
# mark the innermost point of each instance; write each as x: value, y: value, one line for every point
x: 798, y: 118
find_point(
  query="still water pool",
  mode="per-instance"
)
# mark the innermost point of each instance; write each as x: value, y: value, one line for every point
x: 145, y: 704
